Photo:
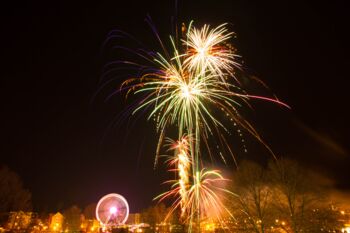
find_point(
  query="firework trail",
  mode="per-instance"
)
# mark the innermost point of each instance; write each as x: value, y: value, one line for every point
x: 181, y: 160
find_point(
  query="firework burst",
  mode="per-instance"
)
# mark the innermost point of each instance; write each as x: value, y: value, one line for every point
x: 187, y: 90
x: 188, y: 98
x: 207, y: 50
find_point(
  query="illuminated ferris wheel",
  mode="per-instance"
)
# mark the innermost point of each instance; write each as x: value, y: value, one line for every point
x: 112, y: 210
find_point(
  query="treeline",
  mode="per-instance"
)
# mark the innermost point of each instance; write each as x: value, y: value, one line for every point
x: 282, y: 197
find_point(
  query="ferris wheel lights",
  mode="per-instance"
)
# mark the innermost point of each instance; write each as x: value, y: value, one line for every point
x: 113, y: 210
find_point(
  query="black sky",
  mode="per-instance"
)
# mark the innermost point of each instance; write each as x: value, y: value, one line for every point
x: 60, y: 142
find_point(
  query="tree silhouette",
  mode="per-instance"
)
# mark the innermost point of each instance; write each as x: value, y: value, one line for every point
x: 13, y: 197
x: 295, y: 193
x: 90, y: 211
x: 254, y: 198
x: 72, y: 218
x: 284, y: 197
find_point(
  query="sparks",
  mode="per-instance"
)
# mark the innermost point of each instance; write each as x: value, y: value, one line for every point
x: 206, y: 192
x: 181, y: 160
x: 188, y: 97
x: 207, y: 49
x: 187, y: 89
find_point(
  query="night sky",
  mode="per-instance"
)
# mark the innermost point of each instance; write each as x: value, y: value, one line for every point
x: 65, y: 143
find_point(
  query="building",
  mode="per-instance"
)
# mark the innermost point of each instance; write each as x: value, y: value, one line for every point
x: 56, y: 222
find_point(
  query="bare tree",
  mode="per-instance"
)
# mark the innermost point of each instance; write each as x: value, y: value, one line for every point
x: 72, y: 218
x: 13, y: 197
x: 285, y: 197
x: 155, y: 214
x: 90, y: 211
x: 252, y: 206
x: 295, y: 194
